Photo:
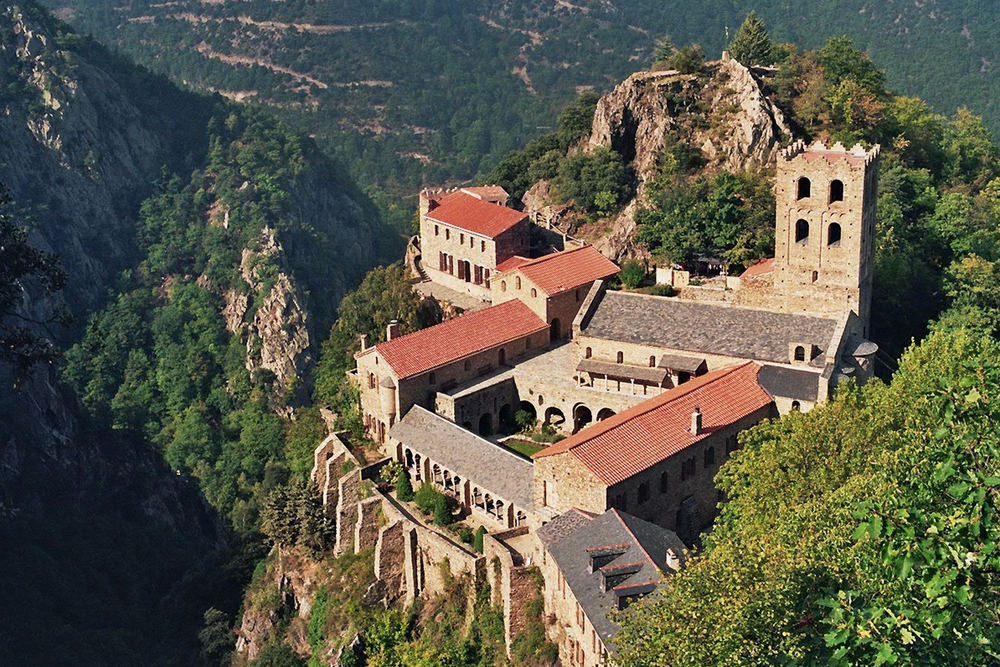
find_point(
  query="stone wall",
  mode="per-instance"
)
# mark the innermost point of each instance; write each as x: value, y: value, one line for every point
x: 348, y: 497
x: 513, y: 585
x: 329, y: 458
x: 561, y: 482
x: 366, y: 528
x: 390, y: 559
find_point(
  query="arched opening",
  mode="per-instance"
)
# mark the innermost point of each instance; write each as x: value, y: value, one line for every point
x: 833, y: 235
x: 554, y: 416
x: 499, y: 508
x: 555, y: 329
x: 620, y: 357
x: 408, y: 458
x: 804, y: 188
x: 796, y: 406
x: 502, y: 356
x: 652, y: 361
x: 519, y: 518
x: 836, y: 190
x: 525, y: 406
x: 435, y: 473
x: 581, y: 417
x: 801, y: 231
x: 800, y: 353
x: 663, y: 482
x: 517, y: 282
x: 506, y: 417
x: 604, y: 413
x: 486, y: 424
x: 587, y: 353
x: 710, y: 457
x: 643, y: 494
x: 815, y: 276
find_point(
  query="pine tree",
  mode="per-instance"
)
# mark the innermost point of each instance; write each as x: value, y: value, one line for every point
x: 404, y: 490
x: 442, y: 511
x: 751, y: 45
x: 477, y: 541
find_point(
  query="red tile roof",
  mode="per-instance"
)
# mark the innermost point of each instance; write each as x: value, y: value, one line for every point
x: 459, y: 337
x: 561, y: 271
x: 759, y: 269
x: 642, y: 436
x: 487, y: 192
x: 464, y: 211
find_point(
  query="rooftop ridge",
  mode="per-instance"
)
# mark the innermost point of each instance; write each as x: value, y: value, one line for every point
x: 635, y: 538
x: 645, y: 407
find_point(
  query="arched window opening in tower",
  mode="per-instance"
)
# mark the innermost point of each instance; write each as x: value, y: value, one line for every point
x: 804, y: 188
x: 836, y: 190
x: 801, y: 231
x: 800, y: 353
x: 833, y: 235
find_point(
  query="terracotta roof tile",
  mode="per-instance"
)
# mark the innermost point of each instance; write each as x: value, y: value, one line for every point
x: 459, y: 337
x: 561, y: 271
x: 475, y: 215
x: 656, y: 429
x: 759, y: 269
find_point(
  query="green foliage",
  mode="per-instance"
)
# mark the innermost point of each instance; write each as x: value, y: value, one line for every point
x: 688, y: 59
x: 293, y: 515
x: 442, y: 510
x: 216, y: 638
x: 404, y: 489
x: 277, y: 655
x: 632, y: 273
x: 426, y: 497
x: 524, y: 420
x: 872, y: 521
x: 477, y: 541
x: 21, y: 344
x: 302, y: 435
x: 751, y: 44
x: 598, y: 182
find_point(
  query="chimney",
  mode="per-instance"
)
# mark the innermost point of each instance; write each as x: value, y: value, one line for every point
x: 673, y: 560
x: 364, y: 342
x: 696, y: 421
x: 392, y: 331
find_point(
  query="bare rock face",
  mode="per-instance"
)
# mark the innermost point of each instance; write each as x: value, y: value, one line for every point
x: 723, y: 112
x: 277, y: 338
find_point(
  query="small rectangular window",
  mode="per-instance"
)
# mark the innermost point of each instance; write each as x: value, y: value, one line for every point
x: 437, y: 230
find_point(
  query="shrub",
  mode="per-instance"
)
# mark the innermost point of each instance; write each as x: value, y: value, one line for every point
x: 442, y: 510
x: 478, y: 541
x: 632, y: 273
x: 404, y: 490
x: 688, y: 60
x: 425, y: 497
x: 524, y: 420
x: 661, y: 290
x: 465, y: 534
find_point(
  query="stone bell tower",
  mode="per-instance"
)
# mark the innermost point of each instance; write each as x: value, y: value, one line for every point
x: 824, y: 230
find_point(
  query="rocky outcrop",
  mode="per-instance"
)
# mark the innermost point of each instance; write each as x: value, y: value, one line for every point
x: 722, y: 112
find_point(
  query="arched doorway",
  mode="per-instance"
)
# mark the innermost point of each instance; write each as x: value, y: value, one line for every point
x: 555, y: 329
x: 581, y: 417
x: 486, y: 424
x: 554, y: 416
x: 506, y: 418
x: 525, y: 406
x: 604, y: 413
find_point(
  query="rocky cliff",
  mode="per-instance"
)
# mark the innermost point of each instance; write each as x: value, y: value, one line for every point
x: 722, y: 112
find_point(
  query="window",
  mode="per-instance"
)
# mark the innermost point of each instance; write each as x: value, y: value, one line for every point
x: 833, y: 235
x: 371, y: 380
x: 534, y: 292
x: 527, y: 343
x: 447, y: 233
x: 800, y: 353
x: 836, y: 190
x: 801, y: 231
x: 683, y: 377
x: 432, y: 378
x: 621, y: 357
x: 442, y: 261
x: 468, y: 364
x: 731, y: 444
x: 710, y: 457
x: 663, y: 482
x: 503, y: 285
x: 541, y: 399
x: 815, y: 276
x: 796, y: 406
x: 804, y: 189
x: 577, y: 294
x: 517, y: 282
x: 437, y: 230
x: 652, y: 361
x: 482, y: 246
x: 643, y: 492
x: 461, y: 239
x: 687, y: 469
x: 587, y: 353
x: 502, y: 356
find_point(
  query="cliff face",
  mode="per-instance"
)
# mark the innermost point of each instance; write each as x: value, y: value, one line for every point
x: 724, y: 113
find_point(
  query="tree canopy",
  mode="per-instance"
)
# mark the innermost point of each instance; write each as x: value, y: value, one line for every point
x: 751, y: 44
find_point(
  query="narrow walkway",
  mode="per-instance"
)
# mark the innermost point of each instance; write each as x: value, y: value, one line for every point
x: 399, y: 507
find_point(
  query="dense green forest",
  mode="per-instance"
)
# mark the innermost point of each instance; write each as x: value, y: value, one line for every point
x: 463, y: 84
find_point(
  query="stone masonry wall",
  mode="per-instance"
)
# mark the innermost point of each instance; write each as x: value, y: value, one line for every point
x: 347, y: 510
x: 390, y: 558
x: 366, y: 528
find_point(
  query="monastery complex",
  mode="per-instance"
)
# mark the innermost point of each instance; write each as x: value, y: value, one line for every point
x: 649, y: 392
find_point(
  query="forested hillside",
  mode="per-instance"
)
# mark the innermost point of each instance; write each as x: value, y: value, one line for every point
x: 204, y: 248
x: 411, y: 92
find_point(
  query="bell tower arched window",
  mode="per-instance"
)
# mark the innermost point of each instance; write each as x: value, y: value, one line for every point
x: 833, y: 235
x: 803, y: 188
x: 836, y: 190
x: 801, y: 231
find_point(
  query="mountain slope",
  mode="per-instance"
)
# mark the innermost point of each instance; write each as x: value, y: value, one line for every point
x: 415, y: 91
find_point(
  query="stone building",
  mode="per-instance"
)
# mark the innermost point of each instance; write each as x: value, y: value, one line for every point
x: 465, y: 234
x: 658, y: 459
x: 595, y: 565
x: 409, y: 370
x: 553, y: 285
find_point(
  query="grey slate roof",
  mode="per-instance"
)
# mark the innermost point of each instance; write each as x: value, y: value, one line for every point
x: 643, y: 373
x: 679, y: 362
x: 642, y: 544
x: 704, y: 327
x: 789, y: 382
x: 492, y: 468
